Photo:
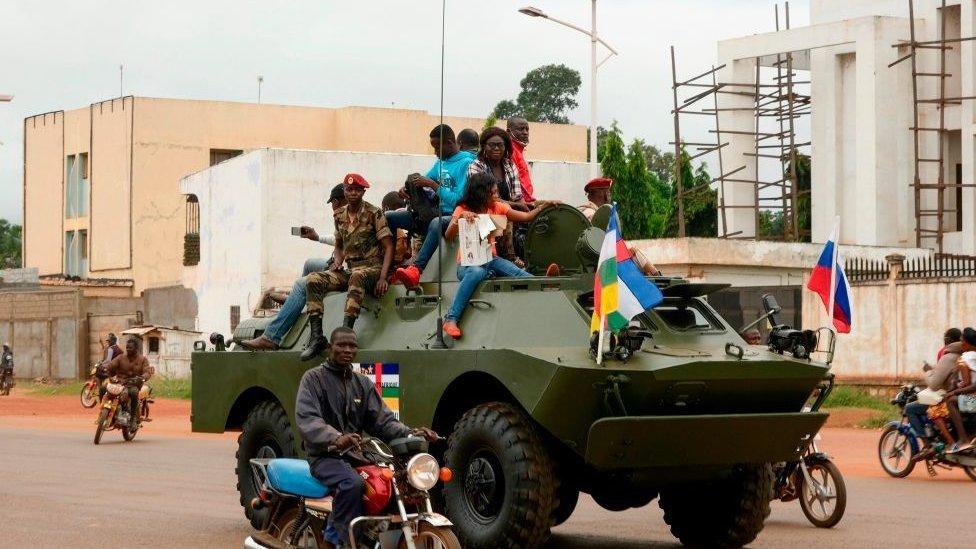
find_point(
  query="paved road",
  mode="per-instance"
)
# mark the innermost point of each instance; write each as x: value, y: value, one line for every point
x: 59, y: 490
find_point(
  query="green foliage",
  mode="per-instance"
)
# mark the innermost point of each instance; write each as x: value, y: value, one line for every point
x: 700, y: 204
x: 643, y: 200
x: 10, y: 240
x: 163, y: 387
x: 852, y: 397
x: 772, y: 223
x: 490, y: 121
x: 547, y: 93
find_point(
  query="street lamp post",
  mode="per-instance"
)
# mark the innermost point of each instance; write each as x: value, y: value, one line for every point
x: 594, y: 38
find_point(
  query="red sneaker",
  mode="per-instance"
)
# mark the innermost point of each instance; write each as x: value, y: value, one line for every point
x: 451, y: 329
x: 409, y: 276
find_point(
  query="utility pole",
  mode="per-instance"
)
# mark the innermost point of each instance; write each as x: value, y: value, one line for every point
x: 260, y: 80
x: 121, y: 88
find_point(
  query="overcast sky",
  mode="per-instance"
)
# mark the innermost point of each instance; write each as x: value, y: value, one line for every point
x: 65, y: 55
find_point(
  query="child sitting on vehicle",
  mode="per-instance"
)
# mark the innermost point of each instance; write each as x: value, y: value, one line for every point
x: 962, y: 399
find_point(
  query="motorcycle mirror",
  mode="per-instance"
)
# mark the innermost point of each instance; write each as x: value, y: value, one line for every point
x: 770, y: 304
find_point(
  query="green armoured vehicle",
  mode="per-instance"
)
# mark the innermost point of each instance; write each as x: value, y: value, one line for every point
x: 681, y: 409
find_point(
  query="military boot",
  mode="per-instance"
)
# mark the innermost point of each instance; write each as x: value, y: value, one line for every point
x: 317, y: 341
x: 349, y: 321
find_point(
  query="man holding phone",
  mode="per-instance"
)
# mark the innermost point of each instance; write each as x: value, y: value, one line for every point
x: 292, y: 307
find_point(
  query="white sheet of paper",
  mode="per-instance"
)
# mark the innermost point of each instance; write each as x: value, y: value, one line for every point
x: 485, y: 225
x: 475, y: 250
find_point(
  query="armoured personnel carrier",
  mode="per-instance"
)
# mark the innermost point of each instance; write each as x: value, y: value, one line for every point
x: 681, y: 409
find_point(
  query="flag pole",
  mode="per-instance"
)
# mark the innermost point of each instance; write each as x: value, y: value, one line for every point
x: 833, y: 274
x: 599, y: 344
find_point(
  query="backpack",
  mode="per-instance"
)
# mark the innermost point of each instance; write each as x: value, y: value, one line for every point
x: 423, y: 208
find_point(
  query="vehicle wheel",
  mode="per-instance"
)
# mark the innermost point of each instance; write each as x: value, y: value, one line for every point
x: 722, y: 513
x: 432, y: 537
x: 100, y: 427
x: 567, y: 495
x: 129, y: 433
x: 504, y: 490
x: 970, y: 472
x: 89, y: 395
x: 895, y: 452
x: 824, y: 501
x: 266, y: 433
x: 310, y: 537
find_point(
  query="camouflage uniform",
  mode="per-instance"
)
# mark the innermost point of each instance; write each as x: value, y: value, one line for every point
x: 362, y: 253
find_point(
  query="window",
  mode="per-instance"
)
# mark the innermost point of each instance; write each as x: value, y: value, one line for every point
x: 82, y: 188
x: 76, y: 185
x: 191, y: 240
x: 219, y: 155
x: 154, y: 345
x: 70, y: 269
x: 687, y: 316
x: 69, y: 187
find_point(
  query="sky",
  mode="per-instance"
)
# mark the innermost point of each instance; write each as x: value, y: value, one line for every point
x: 64, y: 55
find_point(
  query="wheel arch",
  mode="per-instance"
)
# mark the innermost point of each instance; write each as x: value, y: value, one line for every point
x: 465, y: 392
x: 247, y: 401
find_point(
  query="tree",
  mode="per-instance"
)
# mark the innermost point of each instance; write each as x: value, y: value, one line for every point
x: 772, y: 223
x: 547, y: 93
x: 10, y: 239
x: 700, y: 202
x: 643, y: 200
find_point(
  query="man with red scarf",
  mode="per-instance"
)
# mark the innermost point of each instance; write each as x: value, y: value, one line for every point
x: 518, y: 130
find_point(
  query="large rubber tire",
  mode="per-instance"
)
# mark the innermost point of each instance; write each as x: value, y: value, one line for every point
x: 432, y: 537
x: 266, y: 433
x: 894, y: 441
x: 89, y: 395
x: 567, y: 496
x: 618, y: 498
x: 100, y: 427
x: 503, y: 491
x: 723, y: 513
x: 840, y: 493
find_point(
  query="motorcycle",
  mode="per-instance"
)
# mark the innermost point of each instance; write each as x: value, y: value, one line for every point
x: 297, y: 506
x: 114, y: 413
x: 814, y: 479
x: 89, y: 391
x: 900, y: 447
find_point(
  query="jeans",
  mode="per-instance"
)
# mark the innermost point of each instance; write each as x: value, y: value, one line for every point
x: 917, y: 417
x: 293, y: 306
x: 401, y: 219
x: 471, y: 277
x: 347, y: 486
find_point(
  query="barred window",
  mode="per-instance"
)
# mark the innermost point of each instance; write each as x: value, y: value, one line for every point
x: 191, y: 240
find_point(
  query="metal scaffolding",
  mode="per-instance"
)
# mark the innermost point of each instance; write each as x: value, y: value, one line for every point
x: 924, y: 184
x: 776, y: 106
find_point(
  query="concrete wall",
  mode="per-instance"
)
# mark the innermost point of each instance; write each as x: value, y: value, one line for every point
x: 171, y: 306
x: 140, y: 148
x: 44, y: 331
x: 248, y: 205
x: 897, y: 326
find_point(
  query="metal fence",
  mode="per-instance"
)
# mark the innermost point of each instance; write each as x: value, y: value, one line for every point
x: 861, y: 270
x: 940, y: 266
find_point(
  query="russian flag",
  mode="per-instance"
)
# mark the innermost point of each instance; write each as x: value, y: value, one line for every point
x: 838, y: 293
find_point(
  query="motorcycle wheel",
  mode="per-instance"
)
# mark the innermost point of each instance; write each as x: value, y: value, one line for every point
x: 311, y: 536
x: 89, y: 395
x: 5, y: 387
x: 129, y: 433
x: 824, y: 502
x: 432, y: 537
x: 970, y: 472
x: 895, y: 452
x: 100, y: 428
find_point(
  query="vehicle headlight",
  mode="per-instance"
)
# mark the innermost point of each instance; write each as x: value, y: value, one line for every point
x: 423, y: 471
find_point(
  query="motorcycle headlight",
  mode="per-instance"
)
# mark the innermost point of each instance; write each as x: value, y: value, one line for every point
x: 423, y: 471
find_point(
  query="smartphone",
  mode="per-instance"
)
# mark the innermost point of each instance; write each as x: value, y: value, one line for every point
x: 296, y: 231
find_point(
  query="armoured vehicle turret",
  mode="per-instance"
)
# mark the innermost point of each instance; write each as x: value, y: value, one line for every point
x: 681, y: 409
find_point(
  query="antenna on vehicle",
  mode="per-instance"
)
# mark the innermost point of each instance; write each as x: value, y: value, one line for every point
x: 439, y: 342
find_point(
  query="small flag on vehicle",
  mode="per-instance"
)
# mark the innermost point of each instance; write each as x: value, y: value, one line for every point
x: 829, y: 281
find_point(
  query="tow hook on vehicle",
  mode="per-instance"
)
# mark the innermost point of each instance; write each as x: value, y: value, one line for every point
x: 612, y: 395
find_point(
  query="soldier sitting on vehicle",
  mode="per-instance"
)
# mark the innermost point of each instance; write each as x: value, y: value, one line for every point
x: 126, y: 368
x: 333, y: 409
x: 598, y: 194
x: 292, y: 307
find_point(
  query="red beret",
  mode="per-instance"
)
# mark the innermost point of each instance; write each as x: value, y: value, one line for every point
x: 598, y: 183
x: 356, y: 179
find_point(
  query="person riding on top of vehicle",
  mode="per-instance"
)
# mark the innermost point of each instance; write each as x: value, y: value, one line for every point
x: 335, y: 406
x: 295, y: 302
x: 937, y: 377
x: 132, y: 370
x: 598, y: 194
x: 6, y: 361
x: 112, y: 349
x: 962, y: 398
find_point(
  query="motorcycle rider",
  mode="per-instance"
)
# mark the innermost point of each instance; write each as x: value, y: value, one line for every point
x: 936, y: 377
x: 126, y: 368
x: 112, y: 350
x: 6, y: 362
x: 334, y: 407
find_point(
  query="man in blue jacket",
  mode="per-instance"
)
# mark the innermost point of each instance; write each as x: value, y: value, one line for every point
x: 446, y: 179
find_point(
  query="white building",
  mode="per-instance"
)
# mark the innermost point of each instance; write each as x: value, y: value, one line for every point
x: 863, y: 149
x: 247, y: 206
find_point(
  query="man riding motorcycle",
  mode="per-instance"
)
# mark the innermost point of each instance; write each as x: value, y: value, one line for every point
x: 334, y: 407
x: 132, y: 370
x: 6, y: 362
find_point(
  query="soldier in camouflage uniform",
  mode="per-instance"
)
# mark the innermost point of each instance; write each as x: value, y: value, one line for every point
x: 364, y: 243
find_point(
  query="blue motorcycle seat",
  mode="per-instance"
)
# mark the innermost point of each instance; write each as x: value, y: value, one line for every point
x: 293, y: 476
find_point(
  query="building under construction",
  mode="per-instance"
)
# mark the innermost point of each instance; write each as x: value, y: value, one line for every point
x: 867, y: 112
